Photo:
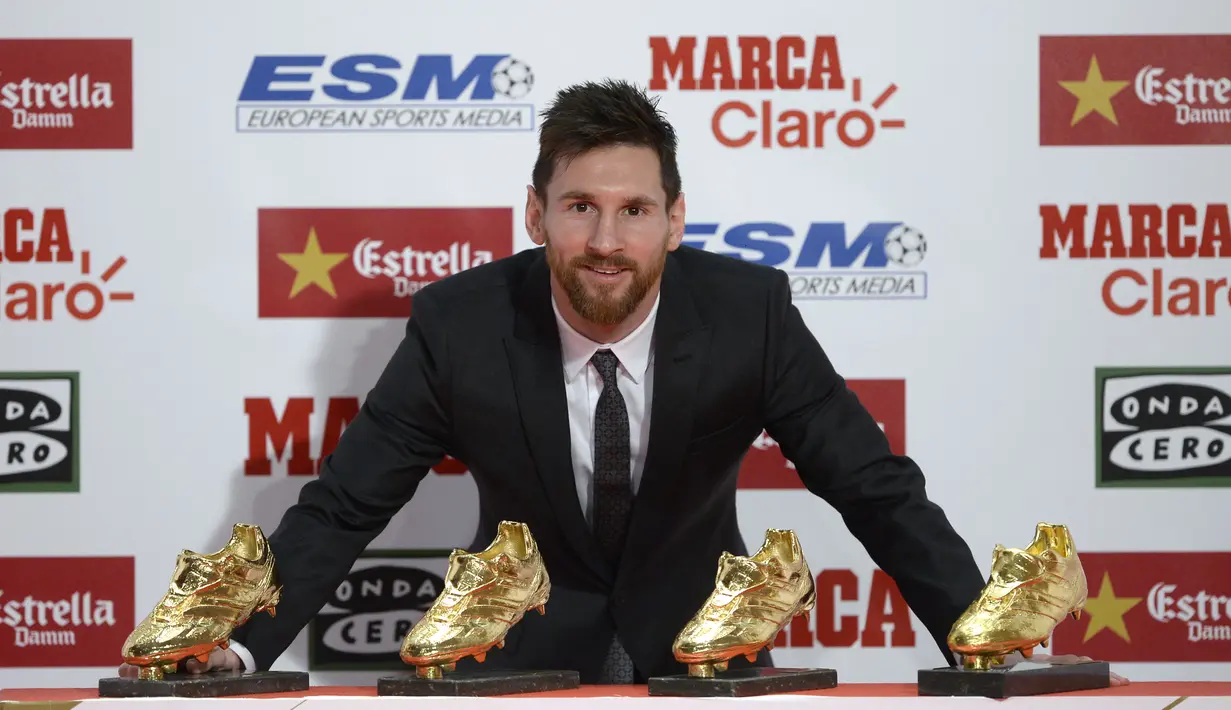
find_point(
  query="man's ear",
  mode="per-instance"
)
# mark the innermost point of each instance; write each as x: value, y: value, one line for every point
x: 534, y: 217
x: 675, y: 218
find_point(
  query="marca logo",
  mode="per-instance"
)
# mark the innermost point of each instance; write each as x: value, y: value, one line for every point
x: 1178, y: 233
x: 64, y: 94
x: 377, y: 92
x: 828, y: 626
x: 764, y: 466
x: 1163, y: 426
x: 35, y: 248
x: 367, y: 263
x: 38, y: 432
x: 65, y: 612
x: 362, y: 626
x: 269, y: 432
x: 1153, y: 607
x: 1135, y: 90
x: 822, y: 260
x: 778, y: 68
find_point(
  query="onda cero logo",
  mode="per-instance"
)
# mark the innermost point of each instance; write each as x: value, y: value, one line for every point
x: 38, y: 432
x: 1164, y: 426
x: 363, y: 624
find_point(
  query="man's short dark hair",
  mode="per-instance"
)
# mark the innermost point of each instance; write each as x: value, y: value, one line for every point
x: 593, y: 115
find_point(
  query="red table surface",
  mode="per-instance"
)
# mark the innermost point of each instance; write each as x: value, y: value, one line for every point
x: 847, y: 690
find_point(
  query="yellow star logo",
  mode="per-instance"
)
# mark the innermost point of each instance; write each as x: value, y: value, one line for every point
x: 1107, y: 611
x: 1094, y: 94
x: 312, y: 267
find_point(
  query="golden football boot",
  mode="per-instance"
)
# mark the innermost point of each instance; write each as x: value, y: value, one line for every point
x: 485, y: 594
x: 753, y: 599
x: 1028, y: 594
x: 210, y: 595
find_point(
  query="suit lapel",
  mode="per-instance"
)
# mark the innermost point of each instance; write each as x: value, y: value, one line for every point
x: 538, y: 379
x: 681, y: 345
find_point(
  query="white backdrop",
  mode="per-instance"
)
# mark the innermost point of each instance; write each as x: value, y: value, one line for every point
x: 998, y: 360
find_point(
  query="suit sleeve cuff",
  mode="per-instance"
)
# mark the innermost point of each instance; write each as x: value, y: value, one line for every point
x: 245, y: 656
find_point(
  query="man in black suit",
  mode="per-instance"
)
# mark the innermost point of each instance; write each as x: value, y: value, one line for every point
x: 498, y: 368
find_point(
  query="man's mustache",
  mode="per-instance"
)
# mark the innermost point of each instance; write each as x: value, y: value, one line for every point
x: 613, y: 262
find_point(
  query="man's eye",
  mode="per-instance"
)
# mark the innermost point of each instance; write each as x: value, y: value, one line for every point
x: 580, y: 206
x: 634, y: 211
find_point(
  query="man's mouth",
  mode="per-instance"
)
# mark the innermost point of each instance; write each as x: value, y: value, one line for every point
x: 604, y: 271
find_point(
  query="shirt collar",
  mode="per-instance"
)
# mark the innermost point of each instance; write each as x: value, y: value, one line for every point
x: 634, y: 350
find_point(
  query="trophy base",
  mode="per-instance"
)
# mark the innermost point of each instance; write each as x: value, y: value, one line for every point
x: 1023, y: 678
x: 479, y: 683
x: 215, y: 684
x: 745, y: 682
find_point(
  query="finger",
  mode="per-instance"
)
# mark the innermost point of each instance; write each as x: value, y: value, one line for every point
x: 217, y: 658
x: 127, y: 671
x: 195, y: 666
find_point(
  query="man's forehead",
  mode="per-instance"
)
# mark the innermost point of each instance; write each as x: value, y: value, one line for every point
x: 623, y: 172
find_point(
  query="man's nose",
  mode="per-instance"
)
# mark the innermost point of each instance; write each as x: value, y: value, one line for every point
x: 606, y: 237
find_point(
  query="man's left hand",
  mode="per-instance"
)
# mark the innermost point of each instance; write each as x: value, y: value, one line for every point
x: 1015, y: 658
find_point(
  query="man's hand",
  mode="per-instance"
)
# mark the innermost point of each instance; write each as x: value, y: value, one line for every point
x: 1015, y: 658
x: 219, y: 660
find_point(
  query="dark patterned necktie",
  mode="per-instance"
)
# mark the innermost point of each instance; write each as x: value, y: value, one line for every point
x: 613, y: 491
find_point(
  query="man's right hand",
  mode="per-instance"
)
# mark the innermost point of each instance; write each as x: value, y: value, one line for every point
x: 219, y: 660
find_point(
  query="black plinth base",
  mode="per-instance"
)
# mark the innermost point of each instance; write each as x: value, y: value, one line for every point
x: 1024, y: 679
x: 744, y: 682
x: 215, y: 684
x: 479, y: 683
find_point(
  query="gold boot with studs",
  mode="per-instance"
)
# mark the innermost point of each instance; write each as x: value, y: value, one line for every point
x: 209, y: 596
x: 753, y: 599
x: 486, y: 593
x: 1029, y: 593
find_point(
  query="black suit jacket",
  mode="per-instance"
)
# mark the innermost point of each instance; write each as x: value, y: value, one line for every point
x: 479, y: 376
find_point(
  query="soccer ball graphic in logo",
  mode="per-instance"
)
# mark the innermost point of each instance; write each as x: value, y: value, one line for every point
x: 905, y: 246
x: 512, y: 78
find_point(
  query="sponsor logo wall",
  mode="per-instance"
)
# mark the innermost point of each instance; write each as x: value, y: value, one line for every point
x: 1014, y: 245
x: 378, y: 92
x: 375, y: 606
x: 1154, y: 607
x: 40, y: 440
x: 66, y: 94
x: 63, y: 612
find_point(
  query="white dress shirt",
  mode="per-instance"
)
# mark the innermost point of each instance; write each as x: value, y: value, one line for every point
x: 582, y: 386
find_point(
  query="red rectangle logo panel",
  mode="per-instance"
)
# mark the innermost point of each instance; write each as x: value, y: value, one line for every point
x: 764, y: 465
x: 65, y: 612
x: 66, y: 94
x: 1135, y: 90
x: 1152, y: 607
x: 367, y: 263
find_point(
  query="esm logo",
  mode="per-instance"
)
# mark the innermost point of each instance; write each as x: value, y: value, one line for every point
x: 377, y: 92
x: 827, y: 260
x: 288, y: 436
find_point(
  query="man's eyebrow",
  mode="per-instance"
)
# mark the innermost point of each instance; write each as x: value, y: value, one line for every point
x: 634, y: 200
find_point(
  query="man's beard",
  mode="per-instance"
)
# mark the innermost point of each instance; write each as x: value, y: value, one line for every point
x: 603, y: 308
